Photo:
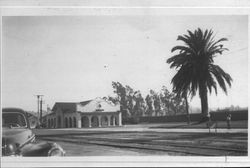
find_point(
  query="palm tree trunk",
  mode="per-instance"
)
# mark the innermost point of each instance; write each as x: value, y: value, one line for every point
x: 204, y: 101
x: 187, y: 107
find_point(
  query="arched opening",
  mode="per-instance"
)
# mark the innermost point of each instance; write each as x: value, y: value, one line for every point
x: 85, y: 121
x: 104, y: 121
x: 112, y: 120
x: 48, y: 123
x: 58, y: 122
x: 74, y: 122
x: 94, y: 121
x: 51, y: 123
x: 70, y: 122
x: 54, y: 123
x: 66, y: 122
x: 116, y: 120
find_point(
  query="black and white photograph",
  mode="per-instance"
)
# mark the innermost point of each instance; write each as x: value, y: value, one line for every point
x: 137, y: 85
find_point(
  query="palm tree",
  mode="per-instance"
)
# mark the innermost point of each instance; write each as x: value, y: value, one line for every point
x: 195, y: 66
x: 187, y: 108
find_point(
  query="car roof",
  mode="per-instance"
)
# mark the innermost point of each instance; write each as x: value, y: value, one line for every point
x: 12, y: 109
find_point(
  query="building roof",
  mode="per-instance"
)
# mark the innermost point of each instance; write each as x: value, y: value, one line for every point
x: 65, y: 106
x: 74, y: 106
x: 85, y: 102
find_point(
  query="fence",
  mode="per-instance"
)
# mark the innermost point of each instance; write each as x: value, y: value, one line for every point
x: 235, y: 115
x: 215, y: 116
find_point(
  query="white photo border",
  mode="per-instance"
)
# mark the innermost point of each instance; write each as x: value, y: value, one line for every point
x: 112, y: 7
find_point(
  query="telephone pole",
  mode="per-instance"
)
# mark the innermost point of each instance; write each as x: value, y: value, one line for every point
x: 41, y: 109
x: 38, y: 109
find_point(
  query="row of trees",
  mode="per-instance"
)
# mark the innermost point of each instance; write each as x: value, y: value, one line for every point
x: 133, y: 104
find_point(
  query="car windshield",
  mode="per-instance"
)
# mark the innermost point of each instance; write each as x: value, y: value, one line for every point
x: 13, y: 120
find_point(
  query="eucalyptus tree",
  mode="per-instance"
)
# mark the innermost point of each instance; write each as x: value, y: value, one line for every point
x: 150, y: 104
x: 131, y: 101
x: 139, y: 107
x: 166, y: 98
x: 195, y: 66
x: 121, y: 93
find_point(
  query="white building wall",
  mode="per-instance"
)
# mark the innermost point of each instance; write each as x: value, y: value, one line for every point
x: 93, y: 106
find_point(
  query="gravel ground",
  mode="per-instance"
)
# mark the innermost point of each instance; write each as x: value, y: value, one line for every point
x: 141, y: 140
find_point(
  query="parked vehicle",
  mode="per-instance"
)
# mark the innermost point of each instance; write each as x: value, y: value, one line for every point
x: 19, y: 140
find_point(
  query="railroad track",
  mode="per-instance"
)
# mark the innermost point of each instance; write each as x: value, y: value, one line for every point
x: 160, y: 141
x: 153, y: 145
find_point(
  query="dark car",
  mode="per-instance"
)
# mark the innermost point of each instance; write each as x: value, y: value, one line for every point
x: 18, y: 139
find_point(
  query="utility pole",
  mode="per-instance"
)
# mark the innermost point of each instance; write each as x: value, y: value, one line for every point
x: 41, y: 109
x: 38, y: 109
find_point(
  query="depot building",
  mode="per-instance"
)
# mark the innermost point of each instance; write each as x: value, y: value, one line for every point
x: 92, y: 113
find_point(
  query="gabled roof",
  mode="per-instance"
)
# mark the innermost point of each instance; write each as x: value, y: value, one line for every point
x: 65, y: 106
x: 72, y: 106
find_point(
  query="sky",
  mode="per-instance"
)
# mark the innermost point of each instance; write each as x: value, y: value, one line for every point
x: 76, y: 58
